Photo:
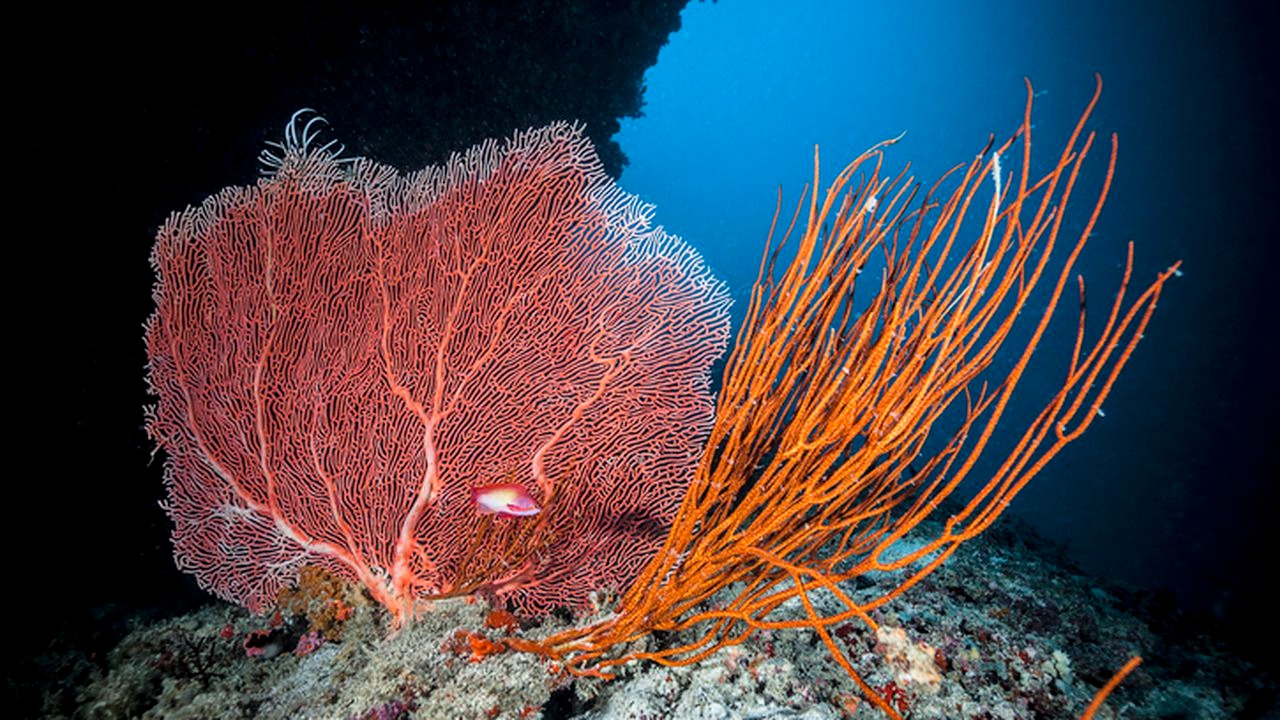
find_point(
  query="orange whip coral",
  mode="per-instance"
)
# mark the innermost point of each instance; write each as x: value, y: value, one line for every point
x: 819, y: 463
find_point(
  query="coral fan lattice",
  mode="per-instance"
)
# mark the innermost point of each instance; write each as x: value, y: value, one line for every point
x: 342, y: 354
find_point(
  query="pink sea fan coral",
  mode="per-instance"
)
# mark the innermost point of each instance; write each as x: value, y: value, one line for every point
x: 342, y: 353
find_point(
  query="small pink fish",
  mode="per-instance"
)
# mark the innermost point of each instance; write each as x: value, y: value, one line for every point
x: 507, y: 500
